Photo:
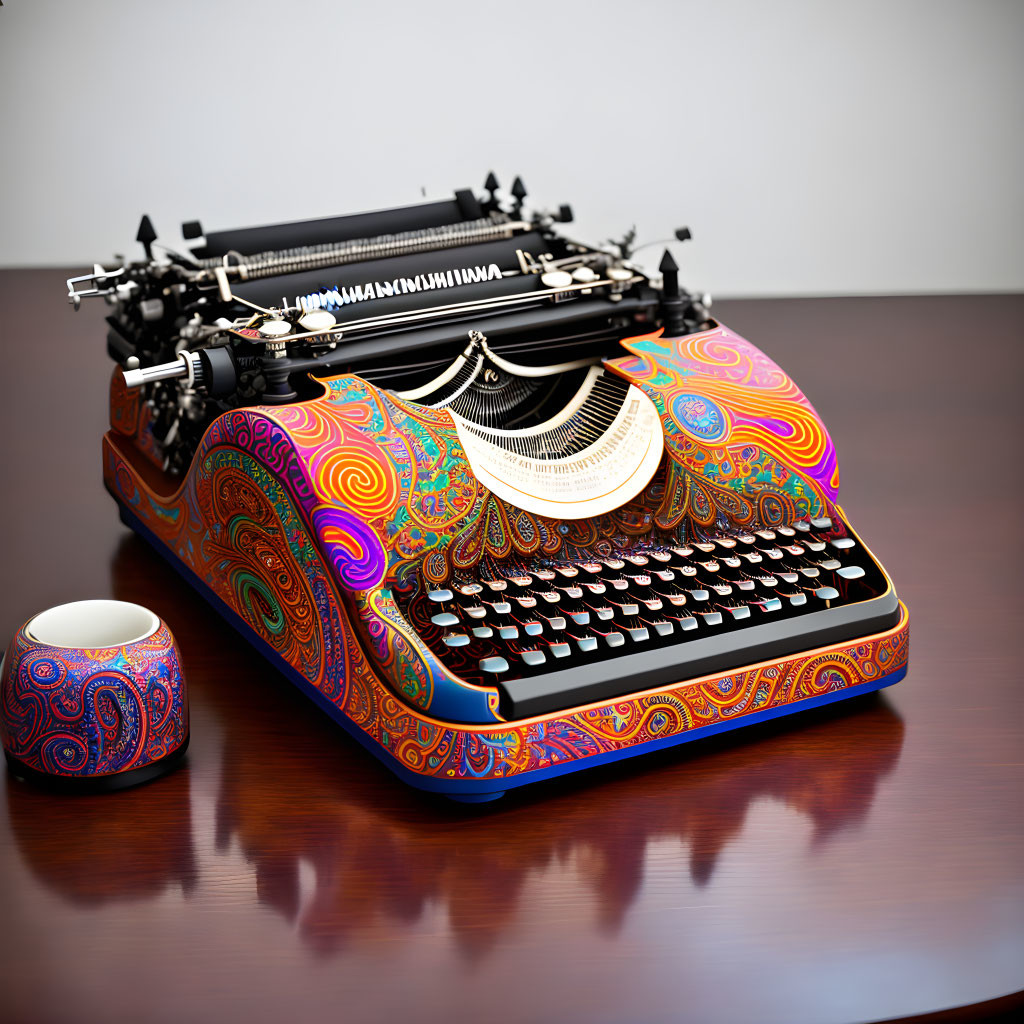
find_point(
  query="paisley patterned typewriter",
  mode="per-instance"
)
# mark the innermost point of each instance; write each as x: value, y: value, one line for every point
x: 501, y: 503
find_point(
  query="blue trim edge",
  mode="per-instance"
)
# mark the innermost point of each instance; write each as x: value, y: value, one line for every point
x: 477, y: 790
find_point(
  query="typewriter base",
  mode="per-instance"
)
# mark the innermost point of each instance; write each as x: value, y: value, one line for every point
x: 481, y: 790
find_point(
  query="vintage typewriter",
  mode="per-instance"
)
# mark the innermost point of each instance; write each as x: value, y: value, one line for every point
x: 503, y: 504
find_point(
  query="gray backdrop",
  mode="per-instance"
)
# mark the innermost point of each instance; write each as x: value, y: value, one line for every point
x: 812, y: 147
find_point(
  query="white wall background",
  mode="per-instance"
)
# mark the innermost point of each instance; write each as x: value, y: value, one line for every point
x: 813, y: 147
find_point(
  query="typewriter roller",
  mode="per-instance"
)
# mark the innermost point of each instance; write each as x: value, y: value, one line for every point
x: 502, y: 503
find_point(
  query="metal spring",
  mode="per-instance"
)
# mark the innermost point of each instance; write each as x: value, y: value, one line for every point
x: 328, y: 254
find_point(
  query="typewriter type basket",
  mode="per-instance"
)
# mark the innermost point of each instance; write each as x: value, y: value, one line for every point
x: 347, y: 537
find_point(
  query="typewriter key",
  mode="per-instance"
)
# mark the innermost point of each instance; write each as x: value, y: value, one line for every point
x: 851, y: 572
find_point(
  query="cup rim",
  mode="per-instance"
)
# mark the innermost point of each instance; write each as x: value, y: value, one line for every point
x: 64, y: 626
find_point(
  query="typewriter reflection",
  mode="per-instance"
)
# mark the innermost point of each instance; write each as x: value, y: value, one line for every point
x: 138, y: 847
x: 338, y: 861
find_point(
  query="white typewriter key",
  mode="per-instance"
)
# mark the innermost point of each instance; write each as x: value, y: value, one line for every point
x: 274, y: 329
x: 551, y: 596
x: 526, y: 602
x: 712, y: 618
x: 827, y: 593
x: 746, y: 538
x: 822, y: 523
x: 533, y: 657
x: 796, y: 599
x: 500, y: 607
x: 765, y: 534
x: 584, y: 275
x: 711, y: 566
x: 614, y: 563
x: 786, y: 531
x: 706, y: 548
x: 830, y: 563
x: 774, y: 553
x: 753, y: 557
x: 476, y: 611
x: 494, y: 665
x: 580, y: 618
x: 568, y: 571
x: 652, y: 604
x: 556, y: 622
x: 740, y: 611
x: 803, y: 526
x: 532, y: 628
x: 596, y: 588
x: 638, y: 633
x: 676, y: 599
x: 768, y: 581
x: 794, y: 549
x: 620, y: 584
x: 483, y: 632
x: 814, y: 545
x: 688, y: 570
x: 456, y: 639
x: 560, y: 650
x: 497, y: 584
x: 508, y: 632
x: 686, y: 622
x: 637, y: 559
x: 771, y: 604
x: 787, y: 577
x: 629, y: 609
x: 317, y: 320
x: 851, y: 572
x: 641, y: 581
x: 440, y: 595
x: 614, y: 639
x: 843, y: 542
x: 544, y: 574
x: 520, y: 581
x: 574, y: 592
x: 667, y: 575
x: 469, y: 589
x: 699, y: 595
x: 444, y: 619
x: 811, y: 571
x: 661, y: 556
x: 726, y: 542
x: 732, y: 561
x: 556, y: 279
x: 662, y: 628
x: 745, y: 584
x: 682, y: 552
x: 604, y: 614
x: 586, y: 643
x: 594, y: 568
x: 721, y: 589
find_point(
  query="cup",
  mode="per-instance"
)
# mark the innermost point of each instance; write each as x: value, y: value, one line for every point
x: 92, y: 697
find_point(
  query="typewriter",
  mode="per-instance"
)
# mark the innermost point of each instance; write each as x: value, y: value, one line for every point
x: 502, y: 503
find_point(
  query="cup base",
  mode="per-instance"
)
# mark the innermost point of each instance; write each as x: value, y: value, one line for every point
x: 98, y: 783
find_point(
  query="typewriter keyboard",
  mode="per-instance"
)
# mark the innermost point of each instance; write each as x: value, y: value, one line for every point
x: 553, y: 634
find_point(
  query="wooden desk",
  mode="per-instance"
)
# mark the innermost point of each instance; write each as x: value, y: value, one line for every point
x: 858, y: 864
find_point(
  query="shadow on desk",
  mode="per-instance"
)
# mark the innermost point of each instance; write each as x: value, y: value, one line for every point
x: 339, y: 845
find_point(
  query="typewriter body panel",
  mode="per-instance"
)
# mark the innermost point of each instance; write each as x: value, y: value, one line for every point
x: 504, y: 506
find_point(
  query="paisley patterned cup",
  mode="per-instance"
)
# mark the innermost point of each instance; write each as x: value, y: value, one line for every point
x: 92, y: 697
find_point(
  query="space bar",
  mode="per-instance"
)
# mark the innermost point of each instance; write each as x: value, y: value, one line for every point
x: 690, y: 659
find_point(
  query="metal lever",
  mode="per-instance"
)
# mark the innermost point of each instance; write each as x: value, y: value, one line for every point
x: 98, y: 274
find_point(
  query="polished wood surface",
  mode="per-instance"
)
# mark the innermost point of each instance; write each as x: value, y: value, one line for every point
x: 861, y: 863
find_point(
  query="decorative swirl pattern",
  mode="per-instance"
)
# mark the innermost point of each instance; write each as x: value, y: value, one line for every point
x: 71, y: 712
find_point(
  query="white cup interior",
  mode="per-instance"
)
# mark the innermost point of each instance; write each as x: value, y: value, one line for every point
x: 92, y: 624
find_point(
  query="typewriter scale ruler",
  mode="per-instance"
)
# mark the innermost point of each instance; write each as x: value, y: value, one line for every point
x: 616, y: 467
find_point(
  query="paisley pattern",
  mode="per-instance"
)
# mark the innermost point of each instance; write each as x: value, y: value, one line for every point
x: 306, y: 520
x: 70, y: 712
